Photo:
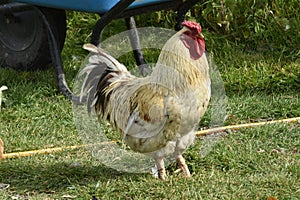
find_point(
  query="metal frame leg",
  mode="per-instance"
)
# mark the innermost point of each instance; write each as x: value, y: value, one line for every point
x: 136, y: 46
x: 57, y: 62
x: 117, y: 10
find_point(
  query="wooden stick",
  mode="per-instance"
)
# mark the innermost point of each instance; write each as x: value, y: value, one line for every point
x: 198, y: 133
x: 249, y: 125
x: 48, y: 150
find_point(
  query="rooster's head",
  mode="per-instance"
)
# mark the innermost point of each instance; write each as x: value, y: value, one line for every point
x: 193, y: 39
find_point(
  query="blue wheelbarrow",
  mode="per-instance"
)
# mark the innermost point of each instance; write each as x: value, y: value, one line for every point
x: 31, y: 30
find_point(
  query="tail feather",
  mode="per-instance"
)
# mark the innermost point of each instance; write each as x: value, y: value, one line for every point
x: 101, y: 71
x: 102, y: 98
x: 93, y: 73
x: 109, y: 60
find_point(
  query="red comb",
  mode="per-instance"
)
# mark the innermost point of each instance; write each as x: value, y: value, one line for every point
x: 192, y: 39
x: 193, y: 26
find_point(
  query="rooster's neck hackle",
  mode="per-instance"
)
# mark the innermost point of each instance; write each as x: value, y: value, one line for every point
x: 175, y: 68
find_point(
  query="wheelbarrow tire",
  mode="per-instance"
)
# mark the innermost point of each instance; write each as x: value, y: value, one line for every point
x: 24, y: 40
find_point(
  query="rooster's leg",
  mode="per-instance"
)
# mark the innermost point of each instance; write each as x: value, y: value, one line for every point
x: 161, y: 168
x: 183, y: 166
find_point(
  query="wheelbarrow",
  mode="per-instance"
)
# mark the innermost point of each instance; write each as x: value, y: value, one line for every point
x: 30, y: 30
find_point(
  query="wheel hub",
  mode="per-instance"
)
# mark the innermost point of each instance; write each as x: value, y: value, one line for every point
x: 18, y: 30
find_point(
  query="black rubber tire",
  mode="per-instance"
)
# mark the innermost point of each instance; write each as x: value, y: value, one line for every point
x: 24, y: 40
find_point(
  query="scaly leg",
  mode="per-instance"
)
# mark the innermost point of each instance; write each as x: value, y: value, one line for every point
x: 161, y: 168
x: 183, y: 166
x: 181, y: 145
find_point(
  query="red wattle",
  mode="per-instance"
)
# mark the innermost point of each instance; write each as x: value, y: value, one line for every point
x: 195, y: 44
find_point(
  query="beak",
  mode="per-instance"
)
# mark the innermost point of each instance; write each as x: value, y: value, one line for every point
x: 200, y: 35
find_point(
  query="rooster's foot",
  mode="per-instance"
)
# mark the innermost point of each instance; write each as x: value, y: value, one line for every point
x: 161, y: 169
x: 162, y: 174
x: 184, y: 168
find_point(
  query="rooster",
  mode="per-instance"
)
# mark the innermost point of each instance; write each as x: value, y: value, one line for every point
x: 158, y: 114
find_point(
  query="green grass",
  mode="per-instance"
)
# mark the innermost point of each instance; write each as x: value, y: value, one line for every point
x: 254, y: 163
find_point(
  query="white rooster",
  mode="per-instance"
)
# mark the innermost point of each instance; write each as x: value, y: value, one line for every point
x: 158, y: 114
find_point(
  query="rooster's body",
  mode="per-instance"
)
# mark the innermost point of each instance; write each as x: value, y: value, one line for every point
x: 157, y: 114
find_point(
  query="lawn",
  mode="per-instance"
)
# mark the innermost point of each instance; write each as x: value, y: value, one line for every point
x: 254, y: 163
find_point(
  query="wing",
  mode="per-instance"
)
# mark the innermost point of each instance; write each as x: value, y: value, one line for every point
x: 154, y: 119
x: 149, y: 111
x: 141, y: 128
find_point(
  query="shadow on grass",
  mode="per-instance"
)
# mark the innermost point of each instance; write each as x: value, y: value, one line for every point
x: 45, y: 175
